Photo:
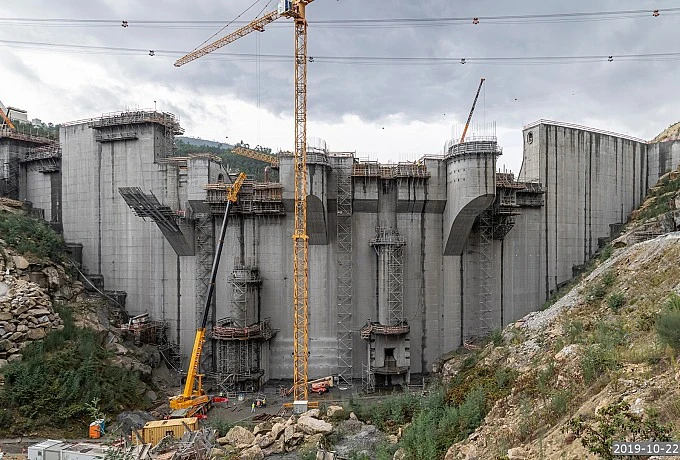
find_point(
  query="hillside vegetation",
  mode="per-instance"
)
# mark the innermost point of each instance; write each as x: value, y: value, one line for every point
x: 55, y: 365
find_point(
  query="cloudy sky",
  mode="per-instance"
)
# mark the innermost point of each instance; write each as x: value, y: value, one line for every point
x: 385, y: 109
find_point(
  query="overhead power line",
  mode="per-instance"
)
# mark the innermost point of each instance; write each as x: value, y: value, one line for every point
x: 364, y: 60
x: 584, y: 16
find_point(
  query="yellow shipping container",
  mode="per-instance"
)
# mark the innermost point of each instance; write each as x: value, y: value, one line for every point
x: 156, y: 430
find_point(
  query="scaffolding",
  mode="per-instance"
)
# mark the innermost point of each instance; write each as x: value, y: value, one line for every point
x: 256, y: 198
x: 390, y: 244
x: 486, y: 259
x: 43, y: 159
x: 120, y: 126
x: 390, y: 171
x: 9, y: 179
x: 344, y: 259
x: 239, y: 349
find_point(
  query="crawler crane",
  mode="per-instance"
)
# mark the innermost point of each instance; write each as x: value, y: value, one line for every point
x: 193, y: 399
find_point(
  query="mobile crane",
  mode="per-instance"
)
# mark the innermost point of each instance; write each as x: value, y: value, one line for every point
x: 193, y: 399
x: 472, y: 110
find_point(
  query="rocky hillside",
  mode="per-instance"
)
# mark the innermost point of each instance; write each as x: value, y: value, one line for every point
x: 598, y: 365
x: 60, y: 351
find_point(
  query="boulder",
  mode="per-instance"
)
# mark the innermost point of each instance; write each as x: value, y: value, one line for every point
x: 311, y: 425
x: 312, y: 413
x: 4, y: 288
x: 295, y: 440
x: 400, y: 454
x: 239, y: 437
x: 517, y: 453
x: 264, y: 440
x: 277, y: 429
x: 335, y: 411
x: 52, y: 277
x: 6, y: 316
x: 313, y: 441
x: 20, y: 262
x: 277, y: 448
x: 252, y: 453
x: 288, y: 433
x: 353, y: 416
x: 35, y: 334
x: 38, y: 311
x: 262, y: 428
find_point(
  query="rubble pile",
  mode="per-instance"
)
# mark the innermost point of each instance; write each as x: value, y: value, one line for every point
x: 27, y: 293
x: 26, y: 315
x: 276, y: 436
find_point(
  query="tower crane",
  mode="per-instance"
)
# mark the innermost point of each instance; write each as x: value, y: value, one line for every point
x: 296, y: 10
x: 474, y: 103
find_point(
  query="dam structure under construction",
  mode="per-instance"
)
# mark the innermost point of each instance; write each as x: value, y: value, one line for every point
x: 407, y: 261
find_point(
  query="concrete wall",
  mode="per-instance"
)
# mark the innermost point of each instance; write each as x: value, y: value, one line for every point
x: 41, y: 189
x: 592, y: 180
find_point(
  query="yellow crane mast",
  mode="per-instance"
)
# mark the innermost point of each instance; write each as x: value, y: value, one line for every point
x: 296, y: 10
x: 474, y: 103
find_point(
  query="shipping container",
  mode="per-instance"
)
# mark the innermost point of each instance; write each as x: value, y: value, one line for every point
x: 58, y: 450
x: 156, y: 430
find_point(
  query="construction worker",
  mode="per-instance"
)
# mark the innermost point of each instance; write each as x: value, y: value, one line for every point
x: 252, y: 407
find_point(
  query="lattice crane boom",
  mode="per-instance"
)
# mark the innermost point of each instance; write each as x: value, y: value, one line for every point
x: 256, y: 25
x: 295, y: 9
x: 256, y: 155
x: 474, y: 103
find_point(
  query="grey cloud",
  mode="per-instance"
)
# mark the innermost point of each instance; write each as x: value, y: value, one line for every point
x: 631, y: 95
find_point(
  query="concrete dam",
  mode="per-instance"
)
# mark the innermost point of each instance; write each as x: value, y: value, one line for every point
x: 407, y: 261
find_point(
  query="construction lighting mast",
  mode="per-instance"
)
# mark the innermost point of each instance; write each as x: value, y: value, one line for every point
x: 474, y: 103
x: 295, y: 9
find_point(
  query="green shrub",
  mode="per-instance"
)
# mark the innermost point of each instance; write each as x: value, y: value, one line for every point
x: 668, y: 329
x: 575, y: 331
x: 559, y: 402
x: 609, y: 279
x: 60, y: 377
x: 31, y: 236
x: 497, y: 338
x: 221, y: 425
x: 595, y: 293
x: 616, y: 301
x: 673, y: 302
x: 616, y: 422
x: 596, y: 361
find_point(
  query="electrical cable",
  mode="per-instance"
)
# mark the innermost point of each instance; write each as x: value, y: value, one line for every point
x: 367, y: 60
x: 521, y: 19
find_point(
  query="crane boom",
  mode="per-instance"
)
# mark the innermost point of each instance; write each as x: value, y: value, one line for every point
x: 256, y: 155
x: 295, y: 9
x: 474, y: 103
x: 193, y: 388
x: 256, y: 25
x: 6, y: 119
